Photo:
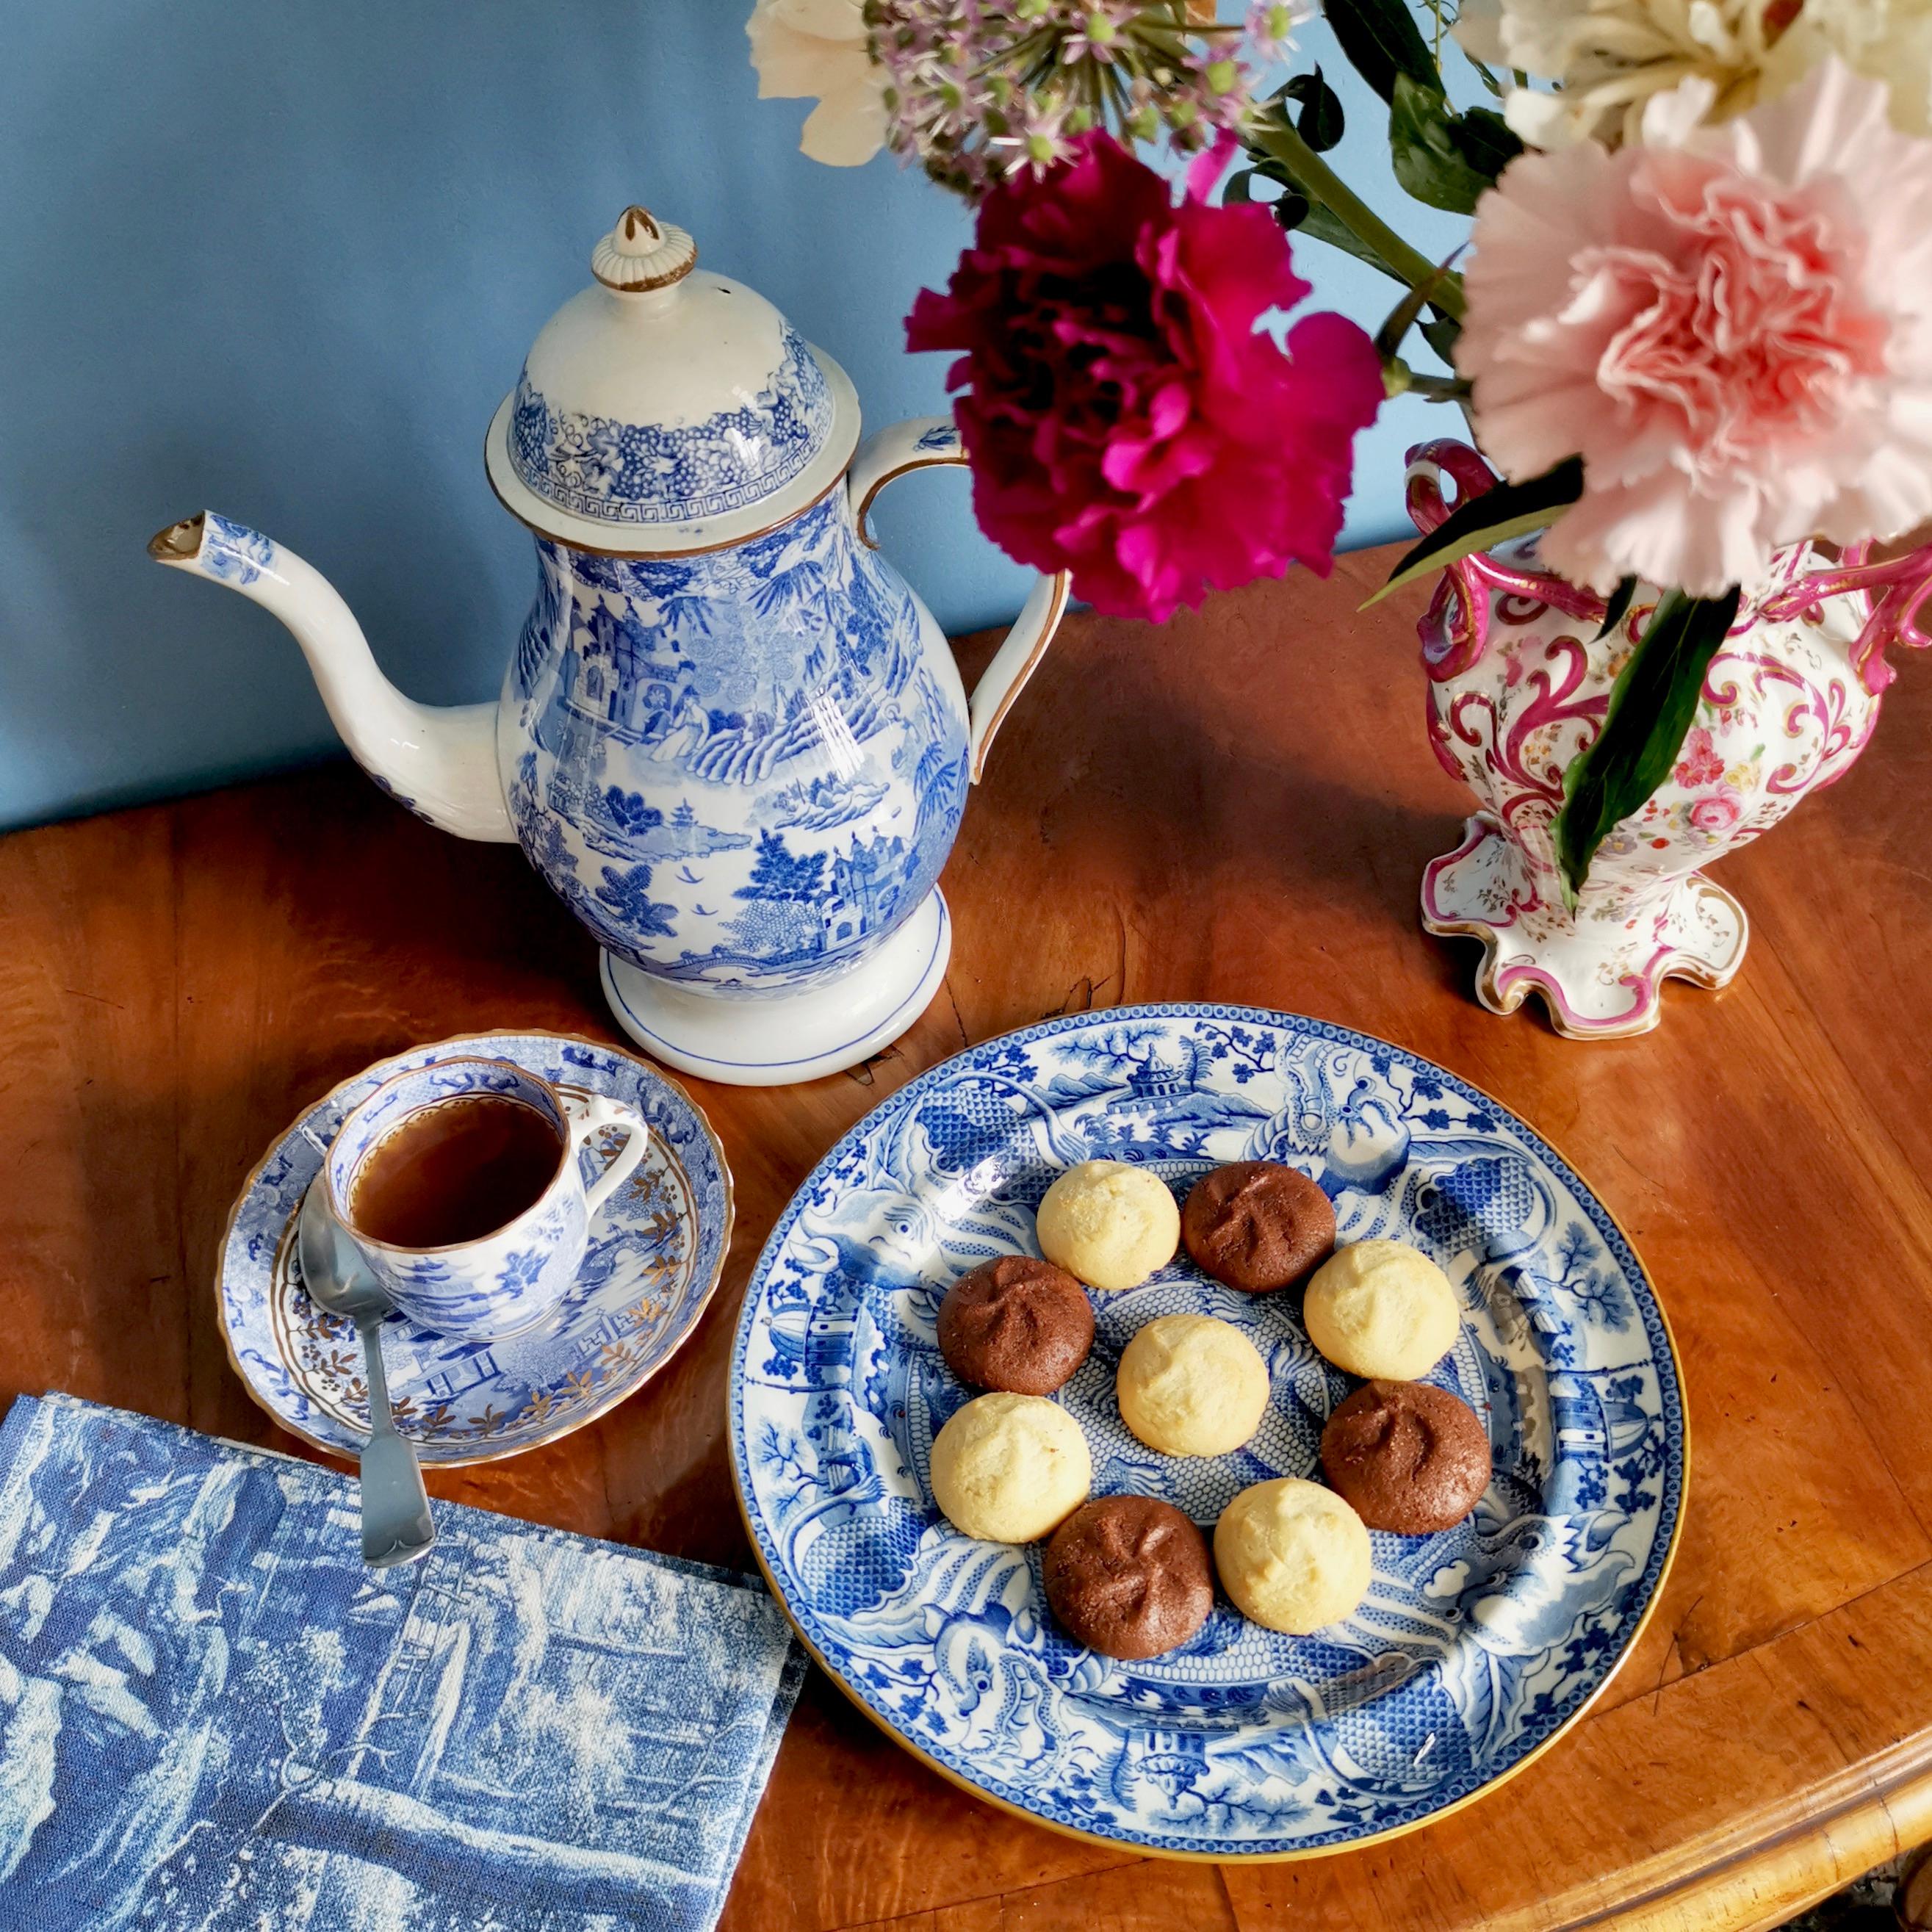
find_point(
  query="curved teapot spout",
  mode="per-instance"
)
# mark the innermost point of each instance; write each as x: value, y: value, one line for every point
x: 439, y: 760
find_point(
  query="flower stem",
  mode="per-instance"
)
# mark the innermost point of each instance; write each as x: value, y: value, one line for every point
x: 1401, y: 380
x: 1320, y: 182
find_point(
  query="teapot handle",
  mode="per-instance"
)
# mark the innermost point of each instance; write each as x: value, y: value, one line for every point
x: 920, y: 442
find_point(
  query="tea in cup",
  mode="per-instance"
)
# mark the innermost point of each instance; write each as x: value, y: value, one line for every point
x: 460, y: 1182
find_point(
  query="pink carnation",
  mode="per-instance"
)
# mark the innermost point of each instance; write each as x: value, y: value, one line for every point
x: 1125, y: 420
x: 1732, y: 325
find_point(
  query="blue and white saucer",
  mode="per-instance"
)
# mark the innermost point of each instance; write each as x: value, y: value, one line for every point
x: 1473, y: 1648
x: 654, y: 1257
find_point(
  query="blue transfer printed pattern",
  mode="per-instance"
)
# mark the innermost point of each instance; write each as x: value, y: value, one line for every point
x: 644, y: 473
x: 941, y: 436
x: 654, y: 1257
x: 491, y: 1289
x: 233, y: 552
x: 743, y: 768
x: 215, y: 1717
x: 401, y: 798
x: 1472, y: 1646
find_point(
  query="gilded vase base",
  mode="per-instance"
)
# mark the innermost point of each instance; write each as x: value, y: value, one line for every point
x: 775, y: 1042
x: 1598, y: 977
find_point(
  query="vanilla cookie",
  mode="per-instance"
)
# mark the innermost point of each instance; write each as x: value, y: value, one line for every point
x: 1010, y: 1468
x: 1110, y: 1223
x: 1380, y: 1309
x: 1189, y: 1385
x: 1293, y: 1556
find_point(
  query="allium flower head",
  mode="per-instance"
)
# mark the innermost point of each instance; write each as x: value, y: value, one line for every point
x: 1270, y: 29
x: 977, y: 91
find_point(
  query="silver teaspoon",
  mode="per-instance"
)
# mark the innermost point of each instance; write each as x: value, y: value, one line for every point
x: 396, y: 1524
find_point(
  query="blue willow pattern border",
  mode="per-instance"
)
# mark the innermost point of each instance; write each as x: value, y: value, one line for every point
x: 624, y: 472
x: 939, y: 1639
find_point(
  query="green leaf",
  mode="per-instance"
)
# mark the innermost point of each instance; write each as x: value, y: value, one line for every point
x: 1440, y: 332
x: 1423, y: 146
x: 1402, y: 318
x: 1382, y: 42
x: 1324, y: 226
x: 1618, y: 606
x: 1241, y: 188
x: 1485, y: 140
x: 1651, y: 705
x: 1319, y: 123
x: 1292, y: 209
x: 1296, y: 209
x: 1487, y: 76
x: 1508, y: 510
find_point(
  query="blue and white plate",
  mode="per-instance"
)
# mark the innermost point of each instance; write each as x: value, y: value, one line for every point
x: 654, y: 1257
x: 1473, y: 1647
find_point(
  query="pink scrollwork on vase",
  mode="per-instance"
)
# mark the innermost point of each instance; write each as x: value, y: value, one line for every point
x: 1520, y: 673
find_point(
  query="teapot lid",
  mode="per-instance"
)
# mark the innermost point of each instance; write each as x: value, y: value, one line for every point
x: 665, y: 409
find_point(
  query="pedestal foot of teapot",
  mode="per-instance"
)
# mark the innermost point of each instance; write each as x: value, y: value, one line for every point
x: 1599, y: 977
x: 774, y: 1042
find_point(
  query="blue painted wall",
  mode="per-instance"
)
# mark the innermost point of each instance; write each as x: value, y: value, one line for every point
x: 283, y: 262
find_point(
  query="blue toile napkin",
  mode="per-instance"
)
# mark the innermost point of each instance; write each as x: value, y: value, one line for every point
x: 213, y: 1717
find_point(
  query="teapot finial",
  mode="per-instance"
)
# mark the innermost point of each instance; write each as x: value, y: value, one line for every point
x: 643, y: 253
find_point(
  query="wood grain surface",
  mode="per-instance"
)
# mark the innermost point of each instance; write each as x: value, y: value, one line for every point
x: 1237, y: 807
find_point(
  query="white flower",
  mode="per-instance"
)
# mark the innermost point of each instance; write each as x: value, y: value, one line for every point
x: 804, y: 48
x: 1479, y: 28
x: 1609, y: 57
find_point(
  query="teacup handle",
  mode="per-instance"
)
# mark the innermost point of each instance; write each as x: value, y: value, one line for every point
x: 922, y: 442
x: 591, y: 1118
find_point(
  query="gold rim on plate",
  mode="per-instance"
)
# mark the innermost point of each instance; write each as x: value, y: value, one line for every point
x: 1494, y: 1784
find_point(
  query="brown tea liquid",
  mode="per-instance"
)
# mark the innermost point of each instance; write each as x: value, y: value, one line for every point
x: 455, y: 1171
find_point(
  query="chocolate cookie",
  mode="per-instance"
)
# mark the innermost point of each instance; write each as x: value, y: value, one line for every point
x: 1128, y: 1577
x: 1015, y: 1324
x: 1258, y: 1225
x: 1408, y: 1456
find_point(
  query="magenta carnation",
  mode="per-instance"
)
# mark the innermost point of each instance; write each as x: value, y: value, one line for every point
x: 1125, y: 419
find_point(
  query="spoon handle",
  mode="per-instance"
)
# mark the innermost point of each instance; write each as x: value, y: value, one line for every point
x: 396, y: 1527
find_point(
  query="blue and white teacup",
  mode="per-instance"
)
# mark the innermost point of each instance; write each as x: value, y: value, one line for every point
x: 506, y: 1282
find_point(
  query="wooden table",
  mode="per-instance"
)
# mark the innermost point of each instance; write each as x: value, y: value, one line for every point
x: 1237, y: 807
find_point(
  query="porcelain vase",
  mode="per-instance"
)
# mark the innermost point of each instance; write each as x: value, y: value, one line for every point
x: 1520, y: 668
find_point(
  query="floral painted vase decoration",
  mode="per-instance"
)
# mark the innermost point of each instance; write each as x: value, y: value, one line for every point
x: 1693, y: 337
x: 1521, y: 665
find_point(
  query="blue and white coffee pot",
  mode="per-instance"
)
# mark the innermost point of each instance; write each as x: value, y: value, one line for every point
x: 731, y: 739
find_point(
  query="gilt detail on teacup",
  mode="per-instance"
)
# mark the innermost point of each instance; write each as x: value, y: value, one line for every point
x: 653, y: 1260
